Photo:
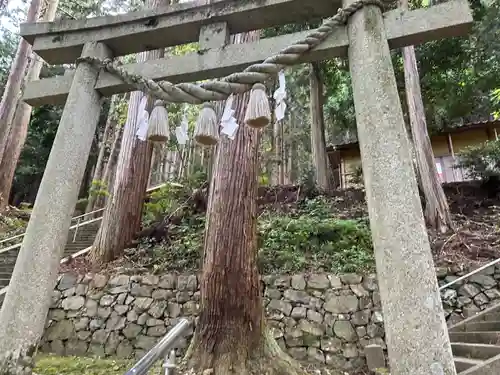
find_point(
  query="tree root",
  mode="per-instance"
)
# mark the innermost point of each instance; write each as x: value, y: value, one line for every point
x: 269, y: 359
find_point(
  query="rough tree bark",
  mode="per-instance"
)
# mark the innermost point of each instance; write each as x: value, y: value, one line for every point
x: 12, y: 90
x: 231, y: 335
x: 110, y: 170
x: 437, y: 212
x: 99, y: 167
x: 318, y: 142
x: 122, y: 217
x: 18, y: 129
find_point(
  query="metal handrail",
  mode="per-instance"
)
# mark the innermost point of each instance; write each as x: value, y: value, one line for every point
x: 161, y: 350
x: 470, y: 274
x: 85, y: 214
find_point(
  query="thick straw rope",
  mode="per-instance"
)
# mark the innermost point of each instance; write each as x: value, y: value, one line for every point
x: 237, y: 82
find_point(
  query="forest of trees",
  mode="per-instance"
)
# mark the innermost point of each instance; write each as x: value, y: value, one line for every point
x: 441, y: 84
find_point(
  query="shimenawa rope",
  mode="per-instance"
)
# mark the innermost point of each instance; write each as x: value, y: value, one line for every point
x: 237, y: 82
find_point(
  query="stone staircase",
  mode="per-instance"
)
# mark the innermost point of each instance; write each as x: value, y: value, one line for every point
x: 84, y: 238
x: 476, y: 343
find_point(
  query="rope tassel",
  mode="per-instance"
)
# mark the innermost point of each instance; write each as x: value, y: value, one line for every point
x: 158, y: 123
x: 258, y: 113
x: 206, y: 132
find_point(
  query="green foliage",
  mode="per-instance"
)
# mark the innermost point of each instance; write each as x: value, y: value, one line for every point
x: 314, y: 238
x: 53, y: 365
x: 309, y: 238
x: 481, y: 161
x: 98, y: 188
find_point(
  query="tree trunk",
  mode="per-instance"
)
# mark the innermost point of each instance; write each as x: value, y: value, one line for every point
x: 231, y: 336
x: 437, y: 212
x: 99, y: 167
x: 12, y: 92
x: 20, y: 123
x: 110, y: 171
x: 318, y: 143
x: 122, y: 217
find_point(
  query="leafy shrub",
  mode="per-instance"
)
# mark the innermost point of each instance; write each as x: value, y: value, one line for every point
x: 165, y: 200
x: 309, y: 242
x: 482, y: 161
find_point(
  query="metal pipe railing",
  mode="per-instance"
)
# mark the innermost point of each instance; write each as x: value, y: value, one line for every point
x: 160, y: 350
x: 470, y: 274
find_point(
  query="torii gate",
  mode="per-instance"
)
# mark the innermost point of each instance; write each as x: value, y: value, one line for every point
x: 416, y: 332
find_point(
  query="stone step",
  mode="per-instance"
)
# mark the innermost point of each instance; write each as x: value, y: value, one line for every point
x: 463, y: 364
x: 485, y: 337
x: 474, y: 351
x: 490, y: 325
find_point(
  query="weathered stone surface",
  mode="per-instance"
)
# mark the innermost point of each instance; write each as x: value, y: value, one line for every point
x: 318, y: 281
x: 310, y: 320
x: 67, y: 281
x: 351, y: 278
x: 73, y: 303
x: 341, y: 304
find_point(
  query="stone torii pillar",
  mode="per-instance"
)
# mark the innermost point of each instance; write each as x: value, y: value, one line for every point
x: 416, y: 333
x: 41, y: 251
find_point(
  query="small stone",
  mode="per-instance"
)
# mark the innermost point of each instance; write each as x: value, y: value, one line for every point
x: 104, y: 312
x: 313, y: 329
x: 375, y: 357
x: 132, y: 316
x: 168, y: 281
x: 282, y: 281
x: 150, y: 280
x: 142, y: 304
x: 361, y: 331
x: 318, y: 281
x: 76, y: 347
x: 81, y: 324
x: 492, y: 294
x: 351, y: 278
x: 315, y: 355
x: 331, y: 344
x: 106, y: 300
x: 99, y: 281
x: 192, y: 283
x: 273, y: 293
x: 314, y: 316
x: 344, y: 330
x: 100, y: 336
x: 157, y: 331
x: 341, y: 304
x: 183, y: 297
x: 470, y: 310
x: 83, y: 335
x: 298, y: 282
x: 335, y: 281
x: 131, y: 330
x: 157, y: 309
x: 121, y: 309
x: 282, y: 306
x: 174, y: 310
x: 57, y: 347
x: 468, y: 290
x: 62, y: 330
x: 69, y: 292
x: 297, y: 296
x: 67, y: 281
x: 299, y: 312
x: 298, y: 353
x: 190, y: 308
x: 145, y: 342
x: 377, y: 317
x: 116, y: 322
x: 124, y: 349
x: 441, y: 272
x: 375, y: 330
x: 119, y: 280
x: 112, y: 343
x: 484, y: 280
x: 73, y: 303
x: 141, y: 290
x: 359, y: 291
x: 370, y: 282
x: 96, y: 324
x: 161, y: 294
x: 361, y: 318
x: 143, y: 318
x: 481, y: 299
x: 57, y: 314
x: 350, y: 351
x: 81, y: 289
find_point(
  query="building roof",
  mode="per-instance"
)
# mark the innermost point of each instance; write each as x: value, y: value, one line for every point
x: 485, y: 124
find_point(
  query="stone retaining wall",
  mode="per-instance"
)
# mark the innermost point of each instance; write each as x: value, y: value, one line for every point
x: 320, y: 317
